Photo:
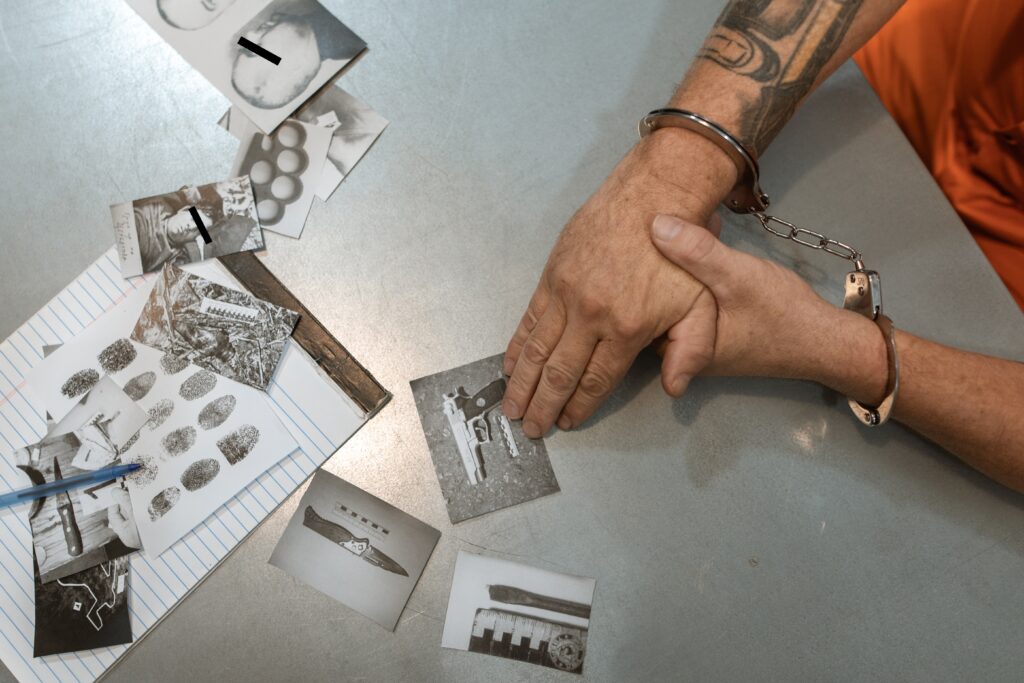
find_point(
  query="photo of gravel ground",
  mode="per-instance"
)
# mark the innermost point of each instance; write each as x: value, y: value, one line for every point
x: 509, y: 468
x: 223, y: 330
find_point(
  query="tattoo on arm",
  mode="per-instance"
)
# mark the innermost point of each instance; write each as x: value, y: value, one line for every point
x: 782, y: 46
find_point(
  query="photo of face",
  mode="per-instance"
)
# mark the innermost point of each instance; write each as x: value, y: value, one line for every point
x: 304, y: 35
x: 189, y: 15
x: 268, y: 85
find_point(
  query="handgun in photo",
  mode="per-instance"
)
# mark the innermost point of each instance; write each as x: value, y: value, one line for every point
x: 467, y: 416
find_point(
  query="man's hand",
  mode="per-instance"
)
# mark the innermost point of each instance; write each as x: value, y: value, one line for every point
x: 758, y: 319
x: 606, y: 292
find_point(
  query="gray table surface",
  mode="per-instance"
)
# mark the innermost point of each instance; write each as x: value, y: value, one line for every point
x: 749, y: 531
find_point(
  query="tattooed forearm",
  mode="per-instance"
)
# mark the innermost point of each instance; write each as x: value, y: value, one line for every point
x: 781, y: 46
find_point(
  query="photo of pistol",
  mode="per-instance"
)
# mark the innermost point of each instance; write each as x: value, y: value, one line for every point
x: 468, y: 415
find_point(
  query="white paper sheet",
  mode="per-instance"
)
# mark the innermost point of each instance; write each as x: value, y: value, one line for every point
x: 165, y: 508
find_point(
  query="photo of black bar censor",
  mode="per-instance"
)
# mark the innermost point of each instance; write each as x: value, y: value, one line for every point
x: 199, y: 224
x: 256, y: 49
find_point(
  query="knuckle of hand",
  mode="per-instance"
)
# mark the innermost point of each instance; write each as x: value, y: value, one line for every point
x: 595, y: 383
x: 592, y: 306
x: 536, y: 352
x: 558, y: 378
x: 627, y: 325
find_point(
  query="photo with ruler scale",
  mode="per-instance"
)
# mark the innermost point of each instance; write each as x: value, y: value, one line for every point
x: 312, y: 44
x: 483, y: 460
x: 158, y: 230
x: 512, y: 610
x: 356, y: 548
x: 223, y: 330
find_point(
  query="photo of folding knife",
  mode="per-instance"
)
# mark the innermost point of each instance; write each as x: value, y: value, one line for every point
x: 66, y: 510
x: 361, y: 547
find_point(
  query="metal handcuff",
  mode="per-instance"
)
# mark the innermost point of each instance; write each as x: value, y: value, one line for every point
x: 863, y: 287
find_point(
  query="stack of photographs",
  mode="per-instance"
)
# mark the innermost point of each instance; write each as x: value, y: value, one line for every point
x: 81, y: 538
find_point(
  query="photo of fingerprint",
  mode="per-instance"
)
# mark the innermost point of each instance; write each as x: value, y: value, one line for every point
x: 138, y: 387
x: 171, y: 364
x: 239, y: 443
x: 200, y: 473
x: 198, y: 385
x: 117, y: 356
x: 216, y: 412
x: 159, y: 413
x: 179, y: 440
x: 80, y: 382
x: 163, y: 502
x: 145, y: 475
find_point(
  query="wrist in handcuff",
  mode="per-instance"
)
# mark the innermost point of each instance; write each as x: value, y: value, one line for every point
x: 863, y: 287
x: 699, y: 170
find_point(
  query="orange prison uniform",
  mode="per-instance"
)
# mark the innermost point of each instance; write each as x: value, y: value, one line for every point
x: 951, y: 73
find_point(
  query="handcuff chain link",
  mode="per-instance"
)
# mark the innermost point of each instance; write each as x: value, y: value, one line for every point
x: 816, y: 241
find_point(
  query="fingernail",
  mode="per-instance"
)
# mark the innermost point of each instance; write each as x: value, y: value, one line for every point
x: 511, y: 410
x: 508, y: 367
x: 666, y: 227
x: 564, y: 423
x: 531, y: 429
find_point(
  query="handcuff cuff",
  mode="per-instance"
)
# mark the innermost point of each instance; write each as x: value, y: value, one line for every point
x: 863, y: 287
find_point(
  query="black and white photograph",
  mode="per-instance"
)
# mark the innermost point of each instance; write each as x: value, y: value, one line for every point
x: 158, y: 230
x: 512, y: 610
x: 354, y: 128
x: 356, y: 548
x: 223, y: 330
x: 313, y: 46
x: 483, y: 460
x: 285, y: 169
x: 311, y: 43
x: 353, y: 124
x: 83, y: 611
x: 105, y: 422
x: 68, y: 534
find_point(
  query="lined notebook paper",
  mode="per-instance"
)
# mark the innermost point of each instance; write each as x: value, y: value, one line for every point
x: 317, y: 413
